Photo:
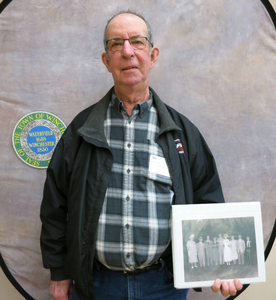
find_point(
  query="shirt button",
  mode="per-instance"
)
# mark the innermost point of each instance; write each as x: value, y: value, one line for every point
x: 127, y: 198
x: 127, y: 226
x: 128, y: 171
x: 129, y: 121
x: 127, y: 255
x: 128, y: 145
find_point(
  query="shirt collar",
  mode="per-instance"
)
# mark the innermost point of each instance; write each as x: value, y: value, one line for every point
x: 142, y: 107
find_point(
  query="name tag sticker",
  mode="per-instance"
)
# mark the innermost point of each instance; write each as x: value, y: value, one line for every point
x: 158, y: 165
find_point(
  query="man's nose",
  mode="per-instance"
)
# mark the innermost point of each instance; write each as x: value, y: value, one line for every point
x: 127, y: 49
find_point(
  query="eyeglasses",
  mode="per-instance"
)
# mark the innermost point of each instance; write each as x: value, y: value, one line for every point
x: 137, y: 43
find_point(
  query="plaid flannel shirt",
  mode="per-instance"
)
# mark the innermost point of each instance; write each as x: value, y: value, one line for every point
x: 134, y: 226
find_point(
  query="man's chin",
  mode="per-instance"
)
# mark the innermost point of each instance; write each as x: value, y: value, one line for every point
x: 131, y: 82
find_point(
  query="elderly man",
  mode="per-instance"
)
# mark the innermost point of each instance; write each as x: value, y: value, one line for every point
x: 116, y: 171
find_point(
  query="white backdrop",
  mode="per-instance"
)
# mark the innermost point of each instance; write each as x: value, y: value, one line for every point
x: 217, y: 66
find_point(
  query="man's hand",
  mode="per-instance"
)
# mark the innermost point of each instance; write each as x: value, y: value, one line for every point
x: 227, y: 288
x: 61, y: 290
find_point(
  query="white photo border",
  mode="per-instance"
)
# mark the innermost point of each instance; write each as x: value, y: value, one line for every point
x: 213, y: 211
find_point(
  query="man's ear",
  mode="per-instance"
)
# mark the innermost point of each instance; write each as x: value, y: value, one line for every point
x: 154, y: 56
x: 105, y: 61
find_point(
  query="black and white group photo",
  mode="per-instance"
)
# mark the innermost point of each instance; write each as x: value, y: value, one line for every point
x: 219, y: 248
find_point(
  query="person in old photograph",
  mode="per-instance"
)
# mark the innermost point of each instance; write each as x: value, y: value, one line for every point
x: 234, y: 252
x: 201, y: 252
x: 192, y: 251
x: 240, y: 249
x: 112, y: 179
x: 215, y: 252
x: 227, y: 250
x: 208, y: 247
x: 248, y: 250
x: 221, y: 249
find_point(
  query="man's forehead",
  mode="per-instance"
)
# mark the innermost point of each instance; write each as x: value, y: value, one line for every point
x: 127, y: 22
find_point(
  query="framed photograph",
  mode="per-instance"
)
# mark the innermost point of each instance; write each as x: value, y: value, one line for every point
x: 211, y: 241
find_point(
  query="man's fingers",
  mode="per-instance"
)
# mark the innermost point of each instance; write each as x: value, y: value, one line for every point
x: 238, y: 284
x: 216, y: 286
x: 232, y: 289
x: 225, y: 288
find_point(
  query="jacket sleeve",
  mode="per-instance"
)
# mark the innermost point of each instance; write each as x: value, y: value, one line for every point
x: 53, y: 214
x: 206, y: 183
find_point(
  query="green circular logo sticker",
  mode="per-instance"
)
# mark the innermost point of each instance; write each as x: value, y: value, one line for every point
x: 35, y: 137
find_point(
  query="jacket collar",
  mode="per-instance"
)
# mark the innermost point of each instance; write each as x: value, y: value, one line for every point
x: 93, y: 130
x: 166, y: 121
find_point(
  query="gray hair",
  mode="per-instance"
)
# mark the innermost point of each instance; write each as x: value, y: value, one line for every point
x: 149, y: 30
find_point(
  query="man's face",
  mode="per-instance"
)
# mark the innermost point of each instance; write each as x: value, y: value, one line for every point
x: 129, y: 67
